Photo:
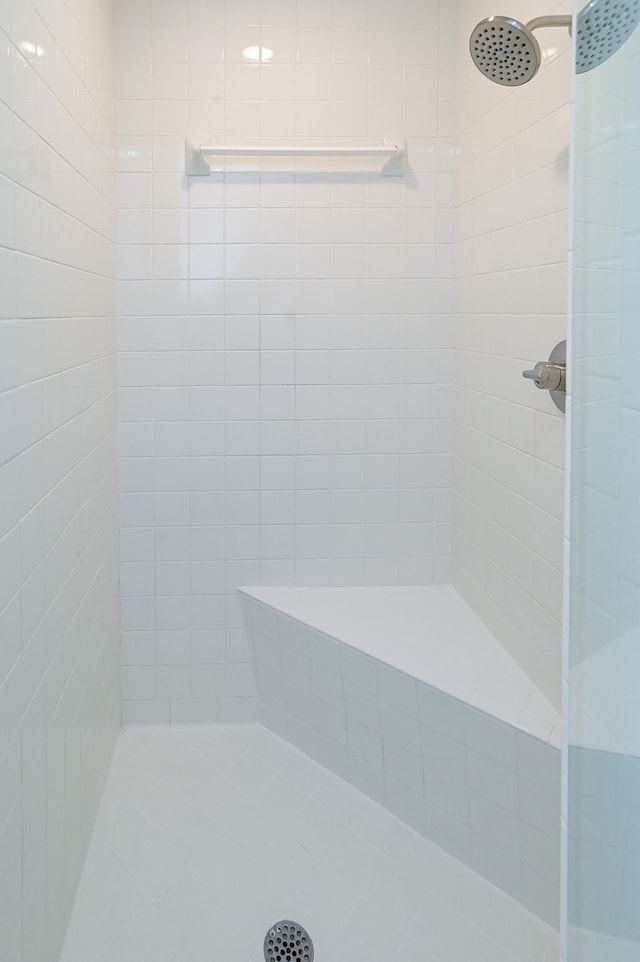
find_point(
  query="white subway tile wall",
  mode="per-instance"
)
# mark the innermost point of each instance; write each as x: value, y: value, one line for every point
x: 285, y: 327
x: 511, y: 241
x: 59, y: 640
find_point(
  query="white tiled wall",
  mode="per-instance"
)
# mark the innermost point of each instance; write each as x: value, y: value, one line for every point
x: 284, y: 334
x: 511, y: 195
x: 59, y: 706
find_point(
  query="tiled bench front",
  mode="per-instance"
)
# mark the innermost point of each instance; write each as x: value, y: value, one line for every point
x: 404, y: 694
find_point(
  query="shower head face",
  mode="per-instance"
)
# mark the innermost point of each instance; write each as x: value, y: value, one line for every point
x: 505, y: 51
x: 602, y: 27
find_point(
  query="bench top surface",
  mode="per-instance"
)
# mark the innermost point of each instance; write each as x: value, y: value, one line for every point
x: 430, y: 633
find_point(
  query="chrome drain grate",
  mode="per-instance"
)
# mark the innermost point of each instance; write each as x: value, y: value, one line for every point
x: 288, y: 942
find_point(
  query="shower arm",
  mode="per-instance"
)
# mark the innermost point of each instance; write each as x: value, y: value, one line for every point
x: 561, y: 20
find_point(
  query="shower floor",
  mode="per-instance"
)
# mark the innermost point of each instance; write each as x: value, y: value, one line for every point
x: 206, y: 837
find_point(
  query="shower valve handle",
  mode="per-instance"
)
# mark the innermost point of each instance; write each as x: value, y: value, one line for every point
x: 547, y: 376
x: 551, y: 375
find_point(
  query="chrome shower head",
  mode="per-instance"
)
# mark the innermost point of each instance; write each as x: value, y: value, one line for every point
x: 601, y: 29
x: 505, y: 51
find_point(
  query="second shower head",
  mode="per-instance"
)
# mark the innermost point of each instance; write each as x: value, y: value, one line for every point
x: 601, y: 29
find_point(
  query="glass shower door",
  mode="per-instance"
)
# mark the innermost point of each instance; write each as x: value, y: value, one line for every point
x: 601, y: 809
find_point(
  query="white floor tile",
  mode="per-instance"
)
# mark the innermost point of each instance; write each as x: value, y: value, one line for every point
x: 208, y: 836
x: 516, y: 930
x: 367, y: 935
x: 153, y: 935
x: 444, y: 931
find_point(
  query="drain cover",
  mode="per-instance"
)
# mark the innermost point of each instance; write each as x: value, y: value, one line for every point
x: 288, y: 942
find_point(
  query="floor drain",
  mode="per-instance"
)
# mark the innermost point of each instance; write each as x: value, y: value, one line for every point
x: 288, y: 942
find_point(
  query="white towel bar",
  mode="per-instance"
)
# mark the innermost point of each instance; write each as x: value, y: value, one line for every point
x: 196, y: 163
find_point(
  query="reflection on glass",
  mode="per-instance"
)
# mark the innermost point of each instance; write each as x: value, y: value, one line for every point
x: 603, y: 800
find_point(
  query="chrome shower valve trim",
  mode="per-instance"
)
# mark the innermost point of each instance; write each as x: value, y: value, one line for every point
x: 551, y: 375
